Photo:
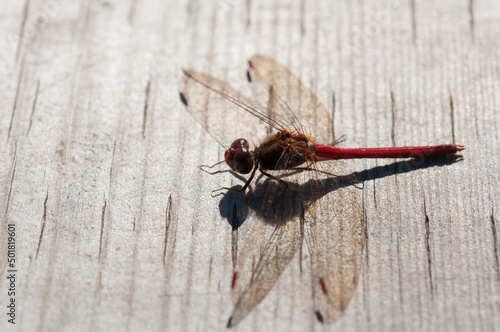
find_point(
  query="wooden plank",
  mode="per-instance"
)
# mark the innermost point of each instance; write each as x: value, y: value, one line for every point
x: 115, y: 226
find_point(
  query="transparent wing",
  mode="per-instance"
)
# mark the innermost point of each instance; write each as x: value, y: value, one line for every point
x: 289, y: 99
x: 266, y: 260
x: 327, y: 206
x: 221, y: 109
x: 329, y: 210
x: 335, y: 235
x: 268, y: 239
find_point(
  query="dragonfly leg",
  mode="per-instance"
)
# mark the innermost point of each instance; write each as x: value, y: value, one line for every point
x: 207, y: 166
x: 244, y: 187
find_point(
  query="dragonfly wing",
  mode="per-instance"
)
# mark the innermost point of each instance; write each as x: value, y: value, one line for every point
x: 219, y: 108
x: 334, y: 225
x: 270, y: 263
x: 270, y: 239
x: 335, y: 235
x: 333, y: 228
x: 286, y: 96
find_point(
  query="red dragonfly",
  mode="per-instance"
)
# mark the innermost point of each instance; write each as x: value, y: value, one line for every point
x: 302, y: 199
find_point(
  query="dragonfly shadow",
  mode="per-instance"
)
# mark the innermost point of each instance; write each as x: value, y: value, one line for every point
x: 275, y: 203
x: 232, y: 207
x: 405, y: 166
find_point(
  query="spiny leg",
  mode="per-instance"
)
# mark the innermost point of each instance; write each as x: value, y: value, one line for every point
x: 246, y: 183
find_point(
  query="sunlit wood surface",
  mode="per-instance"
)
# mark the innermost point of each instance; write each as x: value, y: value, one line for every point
x: 116, y: 229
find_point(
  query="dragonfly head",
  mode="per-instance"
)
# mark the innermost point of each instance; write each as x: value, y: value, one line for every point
x: 238, y: 156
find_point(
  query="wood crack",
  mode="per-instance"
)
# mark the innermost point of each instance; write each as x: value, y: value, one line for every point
x: 333, y: 118
x: 393, y: 122
x: 145, y: 109
x: 23, y: 27
x: 14, y: 108
x: 471, y: 18
x: 14, y: 166
x: 33, y: 107
x: 428, y: 250
x: 249, y: 13
x: 413, y: 21
x: 400, y: 274
x: 452, y: 116
x: 168, y: 231
x: 495, y: 244
x: 44, y: 219
x: 235, y: 223
x: 367, y: 237
x: 302, y: 19
x: 131, y: 13
x: 103, y: 218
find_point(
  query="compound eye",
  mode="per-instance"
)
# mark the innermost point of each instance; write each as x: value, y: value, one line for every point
x: 240, y: 142
x: 238, y: 157
x: 243, y: 162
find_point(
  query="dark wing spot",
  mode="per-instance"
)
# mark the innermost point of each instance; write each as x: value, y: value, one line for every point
x: 323, y: 286
x: 233, y: 282
x: 230, y: 322
x: 319, y: 316
x: 183, y: 99
x: 249, y: 78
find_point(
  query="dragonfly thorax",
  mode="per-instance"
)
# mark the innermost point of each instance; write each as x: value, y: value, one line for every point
x: 284, y: 150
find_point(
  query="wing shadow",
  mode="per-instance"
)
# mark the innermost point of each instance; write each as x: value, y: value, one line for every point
x: 279, y: 228
x: 275, y: 203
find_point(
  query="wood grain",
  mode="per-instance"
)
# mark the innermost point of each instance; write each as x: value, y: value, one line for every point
x: 116, y: 228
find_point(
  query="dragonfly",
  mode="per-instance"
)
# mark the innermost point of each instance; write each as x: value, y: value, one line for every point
x: 306, y: 198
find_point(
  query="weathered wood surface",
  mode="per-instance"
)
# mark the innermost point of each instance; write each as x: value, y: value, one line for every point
x: 115, y: 225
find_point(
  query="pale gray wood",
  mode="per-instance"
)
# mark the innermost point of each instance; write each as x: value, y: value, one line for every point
x: 116, y: 228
